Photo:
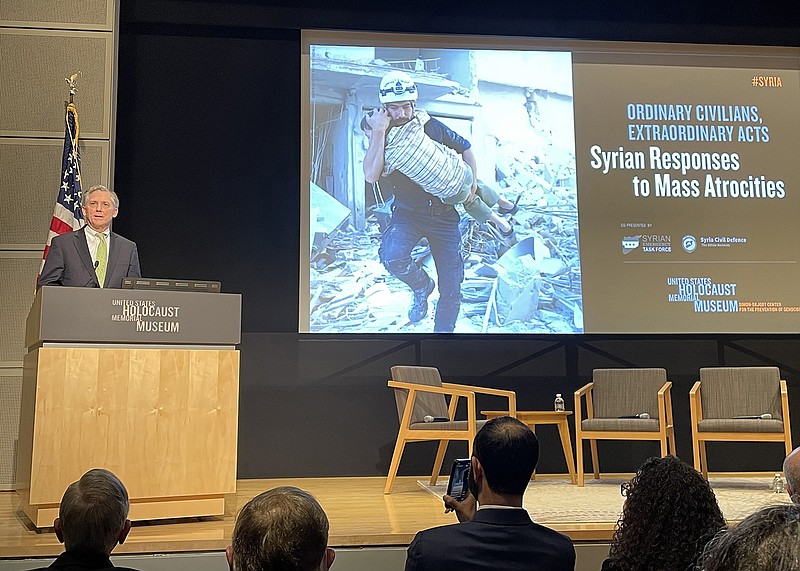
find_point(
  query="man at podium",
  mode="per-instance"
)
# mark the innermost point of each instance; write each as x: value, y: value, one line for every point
x: 92, y: 256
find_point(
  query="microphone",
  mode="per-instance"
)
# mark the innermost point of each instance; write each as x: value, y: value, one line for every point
x: 429, y: 418
x: 96, y: 263
x: 642, y: 415
x: 765, y: 416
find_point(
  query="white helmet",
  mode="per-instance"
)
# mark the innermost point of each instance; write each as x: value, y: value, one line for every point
x: 397, y: 86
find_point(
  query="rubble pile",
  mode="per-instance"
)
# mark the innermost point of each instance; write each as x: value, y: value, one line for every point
x: 533, y: 287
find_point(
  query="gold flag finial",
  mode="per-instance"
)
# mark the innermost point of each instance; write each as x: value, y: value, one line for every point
x: 72, y: 81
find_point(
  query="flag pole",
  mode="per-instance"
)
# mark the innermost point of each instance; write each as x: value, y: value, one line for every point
x: 67, y: 214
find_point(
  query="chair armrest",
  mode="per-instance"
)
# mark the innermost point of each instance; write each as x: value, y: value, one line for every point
x: 510, y: 395
x: 695, y: 404
x: 431, y: 389
x: 787, y: 426
x: 481, y: 390
x: 665, y: 405
x: 585, y: 390
x: 414, y: 388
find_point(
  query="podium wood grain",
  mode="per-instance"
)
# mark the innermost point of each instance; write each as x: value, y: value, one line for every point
x: 163, y: 420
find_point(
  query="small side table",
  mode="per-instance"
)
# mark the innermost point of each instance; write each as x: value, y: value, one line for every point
x: 534, y: 417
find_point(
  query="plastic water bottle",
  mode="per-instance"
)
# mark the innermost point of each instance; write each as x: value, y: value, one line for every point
x: 558, y: 405
x: 777, y: 484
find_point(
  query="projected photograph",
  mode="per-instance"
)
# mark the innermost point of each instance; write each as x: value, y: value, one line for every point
x: 442, y: 192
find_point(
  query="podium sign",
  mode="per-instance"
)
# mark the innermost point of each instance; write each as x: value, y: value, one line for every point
x: 92, y: 315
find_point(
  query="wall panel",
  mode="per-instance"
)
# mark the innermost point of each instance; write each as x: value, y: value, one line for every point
x: 17, y: 286
x: 86, y: 15
x: 31, y: 174
x: 34, y: 65
x: 10, y: 394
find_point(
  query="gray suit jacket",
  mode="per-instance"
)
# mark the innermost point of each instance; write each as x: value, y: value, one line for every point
x: 69, y: 262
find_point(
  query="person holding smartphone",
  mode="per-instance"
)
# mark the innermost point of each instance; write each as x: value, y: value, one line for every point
x: 494, y: 531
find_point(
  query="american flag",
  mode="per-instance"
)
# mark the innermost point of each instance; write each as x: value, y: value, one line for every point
x: 67, y: 215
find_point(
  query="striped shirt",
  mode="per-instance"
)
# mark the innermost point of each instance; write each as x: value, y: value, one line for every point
x: 438, y: 169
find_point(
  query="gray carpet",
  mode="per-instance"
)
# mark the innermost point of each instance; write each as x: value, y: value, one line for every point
x: 551, y: 500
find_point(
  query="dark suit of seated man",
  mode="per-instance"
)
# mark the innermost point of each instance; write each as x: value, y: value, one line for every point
x: 92, y: 520
x: 77, y: 258
x: 499, y: 534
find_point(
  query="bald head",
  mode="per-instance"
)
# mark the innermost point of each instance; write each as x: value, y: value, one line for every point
x: 791, y: 469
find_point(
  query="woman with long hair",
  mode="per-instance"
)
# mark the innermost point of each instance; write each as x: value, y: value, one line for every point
x: 670, y: 513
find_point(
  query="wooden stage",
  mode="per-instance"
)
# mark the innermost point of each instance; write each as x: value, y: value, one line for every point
x: 360, y: 516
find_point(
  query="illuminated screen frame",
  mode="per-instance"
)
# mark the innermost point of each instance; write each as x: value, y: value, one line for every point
x: 638, y: 273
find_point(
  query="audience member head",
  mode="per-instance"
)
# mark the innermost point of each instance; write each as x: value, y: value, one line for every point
x: 93, y: 515
x: 283, y: 529
x: 768, y: 540
x: 670, y: 513
x: 504, y: 455
x: 791, y: 469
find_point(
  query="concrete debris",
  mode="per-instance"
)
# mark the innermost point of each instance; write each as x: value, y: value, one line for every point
x: 532, y: 287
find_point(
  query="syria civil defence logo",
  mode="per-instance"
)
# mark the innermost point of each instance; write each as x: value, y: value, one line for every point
x: 630, y: 243
x: 689, y: 243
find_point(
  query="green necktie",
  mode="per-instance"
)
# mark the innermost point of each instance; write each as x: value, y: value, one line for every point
x: 102, y: 259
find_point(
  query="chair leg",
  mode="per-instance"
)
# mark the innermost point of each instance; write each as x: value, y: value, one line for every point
x: 579, y: 460
x: 595, y: 461
x: 394, y: 465
x: 663, y: 445
x: 703, y: 459
x: 437, y: 463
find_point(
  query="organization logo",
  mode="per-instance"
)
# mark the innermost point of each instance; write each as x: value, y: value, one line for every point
x: 689, y: 243
x: 630, y: 243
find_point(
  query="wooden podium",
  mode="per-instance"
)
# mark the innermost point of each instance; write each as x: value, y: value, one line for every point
x: 144, y: 383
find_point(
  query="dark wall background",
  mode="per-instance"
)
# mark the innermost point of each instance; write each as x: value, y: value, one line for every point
x: 207, y: 165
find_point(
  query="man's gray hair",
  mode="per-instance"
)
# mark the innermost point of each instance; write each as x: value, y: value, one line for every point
x: 85, y: 195
x: 791, y: 469
x: 768, y: 540
x: 281, y: 529
x: 93, y: 512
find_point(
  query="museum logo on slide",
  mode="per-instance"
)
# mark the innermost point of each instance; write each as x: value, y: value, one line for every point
x: 689, y: 243
x: 630, y: 243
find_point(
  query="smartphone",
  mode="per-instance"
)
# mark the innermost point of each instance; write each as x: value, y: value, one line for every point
x: 457, y: 487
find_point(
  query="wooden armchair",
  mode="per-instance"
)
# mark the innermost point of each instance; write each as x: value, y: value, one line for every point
x: 613, y: 399
x: 420, y: 392
x: 738, y: 404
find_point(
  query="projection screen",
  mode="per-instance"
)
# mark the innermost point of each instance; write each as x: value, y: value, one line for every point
x: 653, y: 188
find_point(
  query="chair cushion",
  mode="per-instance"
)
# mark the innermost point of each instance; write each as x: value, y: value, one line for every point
x: 728, y: 392
x: 426, y: 403
x: 739, y: 425
x: 620, y: 424
x: 623, y: 392
x: 452, y: 425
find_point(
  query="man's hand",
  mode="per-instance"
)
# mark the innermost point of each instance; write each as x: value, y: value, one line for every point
x: 473, y: 192
x: 379, y: 120
x: 464, y: 510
